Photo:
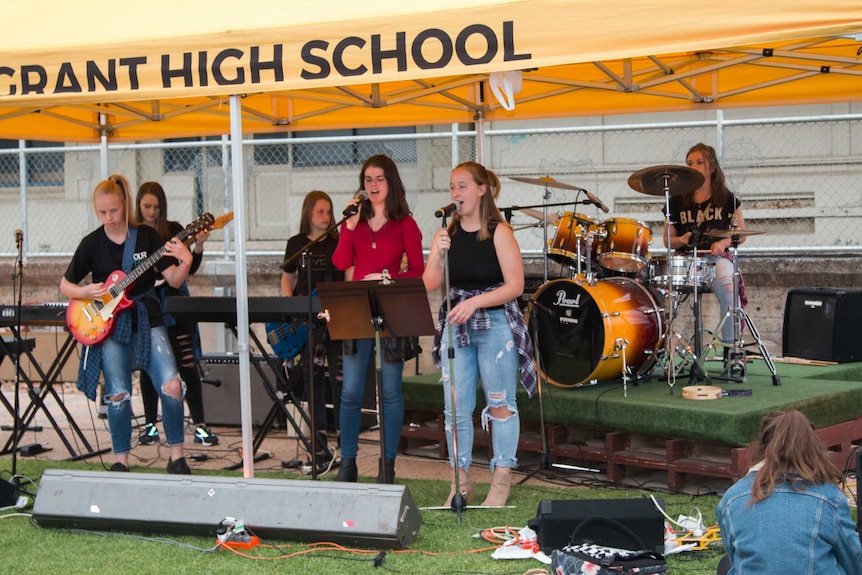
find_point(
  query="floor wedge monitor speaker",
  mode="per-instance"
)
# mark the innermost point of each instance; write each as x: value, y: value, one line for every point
x: 357, y: 514
x: 620, y: 523
x: 821, y: 324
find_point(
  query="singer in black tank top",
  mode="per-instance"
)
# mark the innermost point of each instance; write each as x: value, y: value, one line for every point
x: 486, y: 277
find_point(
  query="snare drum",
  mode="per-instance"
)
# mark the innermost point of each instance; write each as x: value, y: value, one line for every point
x: 586, y: 331
x: 681, y: 274
x: 625, y: 247
x: 572, y: 227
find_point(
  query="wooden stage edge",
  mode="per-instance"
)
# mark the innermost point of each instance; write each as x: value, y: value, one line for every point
x: 678, y: 464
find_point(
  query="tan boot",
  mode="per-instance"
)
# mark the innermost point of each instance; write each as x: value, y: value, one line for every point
x: 465, y: 483
x: 500, y: 484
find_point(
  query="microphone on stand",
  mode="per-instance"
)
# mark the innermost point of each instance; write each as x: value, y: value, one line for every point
x: 19, y: 238
x: 597, y: 202
x: 354, y: 206
x: 446, y: 210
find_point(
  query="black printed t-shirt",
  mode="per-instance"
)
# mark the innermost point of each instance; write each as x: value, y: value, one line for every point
x: 704, y: 216
x: 98, y: 256
x: 322, y: 268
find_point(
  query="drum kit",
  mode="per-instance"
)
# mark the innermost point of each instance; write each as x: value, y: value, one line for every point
x: 611, y: 314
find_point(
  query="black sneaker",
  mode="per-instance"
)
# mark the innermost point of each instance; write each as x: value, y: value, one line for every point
x: 119, y: 467
x: 204, y: 436
x: 179, y: 467
x: 150, y: 434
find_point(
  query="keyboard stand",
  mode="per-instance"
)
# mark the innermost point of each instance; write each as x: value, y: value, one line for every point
x: 38, y: 394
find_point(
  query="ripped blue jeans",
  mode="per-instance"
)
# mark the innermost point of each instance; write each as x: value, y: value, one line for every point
x: 117, y: 367
x: 492, y: 358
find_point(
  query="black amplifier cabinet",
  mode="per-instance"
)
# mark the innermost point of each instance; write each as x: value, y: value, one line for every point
x: 823, y: 324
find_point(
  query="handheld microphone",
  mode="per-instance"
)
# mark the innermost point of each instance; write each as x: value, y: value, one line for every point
x: 19, y: 237
x: 446, y: 210
x: 354, y: 206
x: 597, y: 202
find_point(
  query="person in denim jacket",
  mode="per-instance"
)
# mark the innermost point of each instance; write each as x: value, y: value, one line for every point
x: 788, y: 515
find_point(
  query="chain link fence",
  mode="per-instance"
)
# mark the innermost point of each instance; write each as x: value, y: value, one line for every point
x: 799, y: 177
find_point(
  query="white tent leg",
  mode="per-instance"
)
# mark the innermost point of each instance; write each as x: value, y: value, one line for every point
x: 241, y: 285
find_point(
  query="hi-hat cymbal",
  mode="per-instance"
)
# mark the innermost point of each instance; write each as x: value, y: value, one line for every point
x: 732, y: 232
x: 678, y: 179
x: 546, y: 181
x: 552, y: 217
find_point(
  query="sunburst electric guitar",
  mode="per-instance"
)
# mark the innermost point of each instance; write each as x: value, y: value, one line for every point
x: 91, y: 321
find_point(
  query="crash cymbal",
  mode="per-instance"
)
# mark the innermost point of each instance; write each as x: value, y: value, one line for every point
x: 679, y: 180
x: 547, y: 182
x: 731, y: 232
x: 552, y: 216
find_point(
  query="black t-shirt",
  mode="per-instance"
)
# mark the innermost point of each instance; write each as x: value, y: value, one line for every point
x: 473, y: 264
x: 322, y: 268
x: 704, y: 217
x: 98, y: 256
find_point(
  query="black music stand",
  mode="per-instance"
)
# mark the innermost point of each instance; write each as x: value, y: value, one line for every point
x: 377, y: 309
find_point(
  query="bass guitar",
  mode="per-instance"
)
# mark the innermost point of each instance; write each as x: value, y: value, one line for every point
x: 286, y: 339
x: 91, y: 321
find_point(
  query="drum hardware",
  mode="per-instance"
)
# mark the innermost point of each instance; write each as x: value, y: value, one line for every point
x: 667, y: 181
x: 737, y: 363
x: 621, y: 344
x: 547, y: 182
x: 697, y: 373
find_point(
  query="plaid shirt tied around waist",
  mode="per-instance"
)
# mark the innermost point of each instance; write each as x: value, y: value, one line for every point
x: 480, y: 320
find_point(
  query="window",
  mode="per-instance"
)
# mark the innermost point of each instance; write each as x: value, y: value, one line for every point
x: 43, y: 169
x: 188, y: 159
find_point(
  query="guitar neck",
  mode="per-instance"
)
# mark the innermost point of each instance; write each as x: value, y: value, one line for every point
x: 139, y: 270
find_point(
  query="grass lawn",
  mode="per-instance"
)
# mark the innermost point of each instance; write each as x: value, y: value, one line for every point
x: 441, y: 546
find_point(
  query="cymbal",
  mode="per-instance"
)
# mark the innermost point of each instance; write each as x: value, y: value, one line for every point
x: 547, y: 182
x: 552, y: 216
x: 679, y: 180
x: 731, y: 232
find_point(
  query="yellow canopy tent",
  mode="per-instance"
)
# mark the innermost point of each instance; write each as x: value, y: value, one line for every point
x: 82, y: 71
x: 75, y: 71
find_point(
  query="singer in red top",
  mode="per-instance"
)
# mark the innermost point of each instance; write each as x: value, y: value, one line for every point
x: 376, y: 240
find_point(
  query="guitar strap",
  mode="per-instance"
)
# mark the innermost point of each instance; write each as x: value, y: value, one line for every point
x: 129, y: 249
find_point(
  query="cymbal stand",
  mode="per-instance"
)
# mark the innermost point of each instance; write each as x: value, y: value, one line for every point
x: 545, y: 197
x: 671, y: 337
x: 698, y: 373
x: 737, y: 367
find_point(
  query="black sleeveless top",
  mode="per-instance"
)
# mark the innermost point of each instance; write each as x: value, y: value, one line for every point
x: 473, y: 264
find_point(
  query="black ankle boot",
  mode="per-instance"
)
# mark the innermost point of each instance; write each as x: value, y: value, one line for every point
x: 347, y: 470
x: 390, y: 471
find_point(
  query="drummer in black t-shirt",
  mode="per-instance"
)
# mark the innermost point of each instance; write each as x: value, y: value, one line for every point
x: 711, y: 207
x: 316, y: 219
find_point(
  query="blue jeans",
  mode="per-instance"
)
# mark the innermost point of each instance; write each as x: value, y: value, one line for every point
x: 353, y: 392
x: 493, y: 358
x: 722, y: 287
x: 117, y: 367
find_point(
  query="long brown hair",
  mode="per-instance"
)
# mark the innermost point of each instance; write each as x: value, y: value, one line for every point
x: 154, y: 189
x: 308, y: 203
x: 396, y: 200
x: 792, y: 453
x: 489, y: 213
x: 116, y: 185
x: 718, y: 183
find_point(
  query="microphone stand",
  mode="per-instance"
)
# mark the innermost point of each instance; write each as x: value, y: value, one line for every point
x: 458, y: 504
x: 18, y: 345
x: 308, y: 358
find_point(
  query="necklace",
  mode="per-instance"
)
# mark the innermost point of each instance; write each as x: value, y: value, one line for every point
x: 375, y: 232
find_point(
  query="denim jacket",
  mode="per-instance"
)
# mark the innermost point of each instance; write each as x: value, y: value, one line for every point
x: 800, y: 532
